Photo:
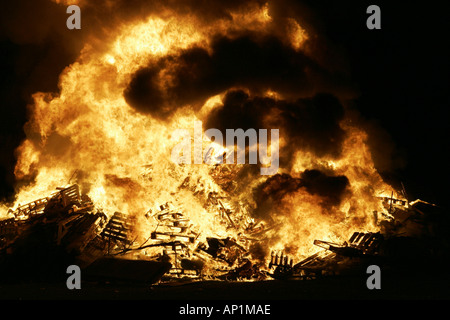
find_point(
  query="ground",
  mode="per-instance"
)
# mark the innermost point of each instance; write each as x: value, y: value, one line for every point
x: 285, y: 299
x: 411, y: 286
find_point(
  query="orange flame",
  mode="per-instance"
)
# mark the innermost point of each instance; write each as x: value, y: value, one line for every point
x: 121, y: 158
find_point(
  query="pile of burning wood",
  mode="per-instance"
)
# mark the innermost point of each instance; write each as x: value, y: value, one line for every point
x: 411, y: 237
x: 43, y: 236
x: 66, y: 228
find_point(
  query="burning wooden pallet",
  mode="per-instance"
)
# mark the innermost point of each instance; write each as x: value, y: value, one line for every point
x: 360, y: 244
x: 172, y: 225
x: 66, y: 228
x: 332, y: 260
x: 117, y: 232
x: 33, y: 208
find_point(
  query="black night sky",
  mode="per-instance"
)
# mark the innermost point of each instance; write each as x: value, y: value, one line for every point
x: 401, y: 72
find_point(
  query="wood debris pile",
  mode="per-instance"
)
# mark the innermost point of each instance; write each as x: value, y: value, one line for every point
x: 41, y: 238
x: 414, y: 235
x: 65, y: 228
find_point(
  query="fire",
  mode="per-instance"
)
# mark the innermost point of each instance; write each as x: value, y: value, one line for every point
x: 305, y: 221
x: 120, y: 157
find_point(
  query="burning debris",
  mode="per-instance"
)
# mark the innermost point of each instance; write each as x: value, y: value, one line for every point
x: 69, y: 222
x: 67, y: 228
x: 335, y: 259
x: 407, y: 236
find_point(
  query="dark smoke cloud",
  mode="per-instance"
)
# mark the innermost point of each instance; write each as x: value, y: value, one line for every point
x: 330, y: 188
x: 308, y: 124
x: 269, y: 195
x: 252, y: 61
x: 313, y: 124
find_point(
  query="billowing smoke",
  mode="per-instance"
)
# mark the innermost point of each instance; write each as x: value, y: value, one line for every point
x: 309, y: 124
x: 253, y: 61
x: 270, y: 194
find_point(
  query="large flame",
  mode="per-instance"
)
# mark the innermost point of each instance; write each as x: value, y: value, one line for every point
x: 87, y: 133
